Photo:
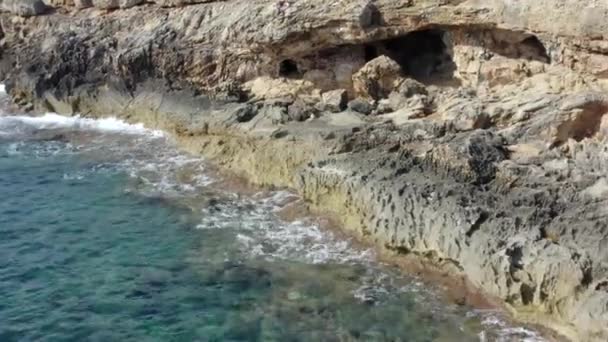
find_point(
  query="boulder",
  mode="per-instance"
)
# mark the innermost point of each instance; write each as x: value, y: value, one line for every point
x: 410, y: 93
x: 361, y: 105
x: 378, y: 78
x: 24, y: 8
x: 334, y: 100
x: 300, y: 111
x: 410, y: 87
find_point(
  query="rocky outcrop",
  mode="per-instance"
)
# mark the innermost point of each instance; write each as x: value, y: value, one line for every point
x: 469, y: 133
x: 24, y: 8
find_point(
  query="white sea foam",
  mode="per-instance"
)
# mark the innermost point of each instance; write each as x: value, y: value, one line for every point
x: 56, y: 121
x: 493, y: 322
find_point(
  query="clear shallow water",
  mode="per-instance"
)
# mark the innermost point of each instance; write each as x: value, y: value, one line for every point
x: 108, y: 233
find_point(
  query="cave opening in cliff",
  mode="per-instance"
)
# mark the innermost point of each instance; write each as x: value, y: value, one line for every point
x: 424, y: 55
x: 533, y: 49
x: 370, y: 52
x: 288, y: 68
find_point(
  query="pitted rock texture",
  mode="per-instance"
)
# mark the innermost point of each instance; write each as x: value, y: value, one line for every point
x: 471, y: 133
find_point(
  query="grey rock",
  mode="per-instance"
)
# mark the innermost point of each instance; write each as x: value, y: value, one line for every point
x: 361, y: 105
x: 24, y: 8
x: 106, y: 4
x: 300, y: 111
x: 410, y: 87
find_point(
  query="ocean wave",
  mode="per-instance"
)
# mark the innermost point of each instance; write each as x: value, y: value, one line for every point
x: 497, y: 329
x: 56, y: 121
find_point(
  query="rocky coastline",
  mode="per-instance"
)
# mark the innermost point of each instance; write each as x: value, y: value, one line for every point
x: 470, y: 134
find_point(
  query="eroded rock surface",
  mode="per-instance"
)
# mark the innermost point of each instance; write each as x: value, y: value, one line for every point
x: 475, y: 134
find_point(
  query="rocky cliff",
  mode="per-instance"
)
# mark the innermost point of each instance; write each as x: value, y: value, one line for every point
x: 470, y: 133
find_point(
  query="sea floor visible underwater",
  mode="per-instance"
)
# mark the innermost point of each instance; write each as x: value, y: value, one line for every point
x: 109, y: 233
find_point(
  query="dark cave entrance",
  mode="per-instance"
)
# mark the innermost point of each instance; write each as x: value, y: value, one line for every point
x: 288, y: 68
x: 423, y: 55
x: 533, y: 49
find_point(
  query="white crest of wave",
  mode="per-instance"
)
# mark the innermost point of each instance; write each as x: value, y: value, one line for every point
x: 54, y: 121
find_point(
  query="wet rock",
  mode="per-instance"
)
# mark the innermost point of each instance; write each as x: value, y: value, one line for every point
x: 24, y: 8
x: 361, y: 105
x: 334, y: 101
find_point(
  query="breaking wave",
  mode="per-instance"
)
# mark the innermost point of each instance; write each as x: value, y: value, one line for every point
x: 52, y: 121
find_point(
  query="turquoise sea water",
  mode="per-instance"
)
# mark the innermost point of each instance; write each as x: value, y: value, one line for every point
x: 108, y: 233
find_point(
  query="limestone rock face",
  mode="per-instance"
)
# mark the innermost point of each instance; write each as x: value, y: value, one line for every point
x: 484, y: 147
x: 24, y: 8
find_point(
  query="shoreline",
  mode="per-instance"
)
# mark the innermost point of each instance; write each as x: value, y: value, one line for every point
x: 450, y: 283
x: 453, y: 286
x: 470, y: 134
x: 228, y: 151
